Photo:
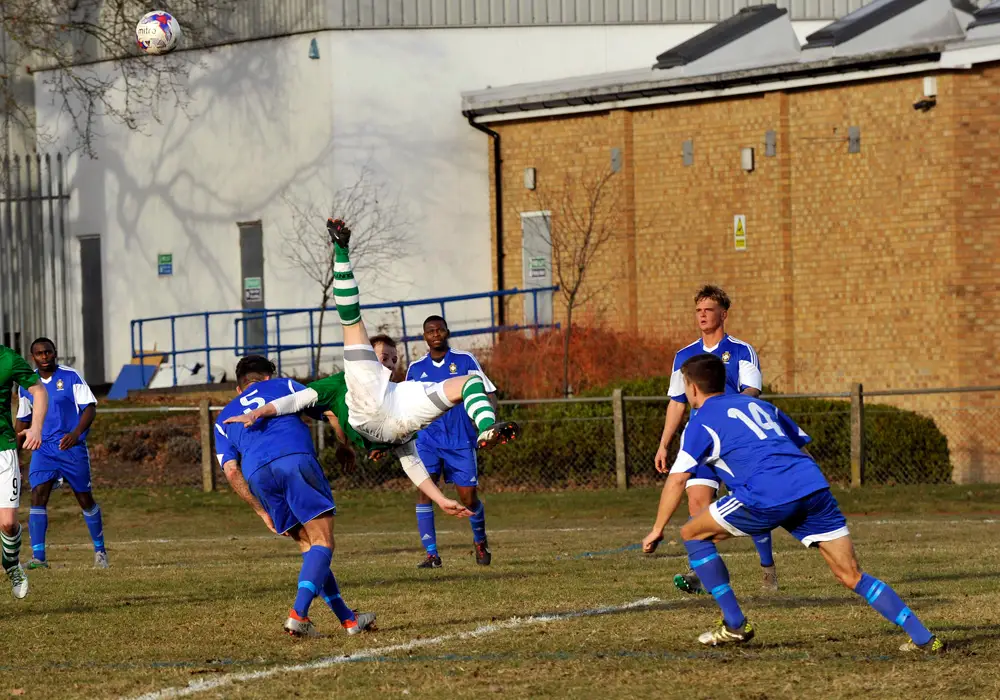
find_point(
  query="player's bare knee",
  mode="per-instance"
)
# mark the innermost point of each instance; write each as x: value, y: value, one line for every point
x: 85, y: 499
x: 689, y: 531
x: 453, y: 388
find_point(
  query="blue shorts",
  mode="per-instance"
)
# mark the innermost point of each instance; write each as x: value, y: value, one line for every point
x: 293, y: 490
x: 703, y: 475
x: 813, y: 519
x: 459, y: 465
x: 50, y: 463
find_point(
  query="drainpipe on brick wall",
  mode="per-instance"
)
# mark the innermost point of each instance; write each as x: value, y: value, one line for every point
x: 498, y: 197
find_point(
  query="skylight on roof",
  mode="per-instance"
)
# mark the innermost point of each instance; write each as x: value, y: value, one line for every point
x: 711, y: 40
x: 988, y: 15
x: 858, y: 22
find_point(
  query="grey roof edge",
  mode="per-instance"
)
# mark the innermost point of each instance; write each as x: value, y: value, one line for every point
x: 653, y: 88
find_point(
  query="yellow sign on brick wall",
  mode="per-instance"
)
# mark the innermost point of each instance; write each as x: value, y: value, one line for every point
x: 740, y: 231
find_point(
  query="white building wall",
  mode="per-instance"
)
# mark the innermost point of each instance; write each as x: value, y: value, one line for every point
x: 267, y: 125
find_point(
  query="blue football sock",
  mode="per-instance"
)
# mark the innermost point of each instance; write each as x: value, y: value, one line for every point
x: 38, y: 523
x: 331, y: 594
x: 764, y: 549
x: 425, y: 526
x: 96, y: 526
x: 315, y: 569
x: 714, y: 575
x: 478, y: 522
x: 890, y: 606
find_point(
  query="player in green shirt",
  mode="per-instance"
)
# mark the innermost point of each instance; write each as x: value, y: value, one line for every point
x: 376, y: 408
x: 13, y: 369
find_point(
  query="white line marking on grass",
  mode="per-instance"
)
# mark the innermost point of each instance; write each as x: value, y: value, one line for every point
x: 862, y: 520
x: 339, y: 535
x: 201, y: 686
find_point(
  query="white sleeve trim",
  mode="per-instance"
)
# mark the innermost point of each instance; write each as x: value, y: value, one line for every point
x: 293, y: 403
x: 23, y: 408
x: 676, y: 389
x: 683, y: 463
x: 487, y: 384
x: 750, y: 376
x: 83, y: 395
x: 490, y: 386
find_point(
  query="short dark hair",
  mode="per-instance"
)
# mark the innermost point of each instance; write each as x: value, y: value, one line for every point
x: 43, y: 339
x: 435, y: 317
x: 382, y: 338
x: 716, y: 294
x: 707, y: 372
x: 254, y: 368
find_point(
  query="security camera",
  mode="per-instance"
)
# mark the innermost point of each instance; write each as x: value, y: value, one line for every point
x: 925, y: 105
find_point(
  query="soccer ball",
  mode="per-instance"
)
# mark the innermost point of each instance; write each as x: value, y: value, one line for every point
x: 157, y: 32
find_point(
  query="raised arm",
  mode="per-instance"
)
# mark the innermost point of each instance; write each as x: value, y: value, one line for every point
x: 286, y: 405
x: 417, y: 472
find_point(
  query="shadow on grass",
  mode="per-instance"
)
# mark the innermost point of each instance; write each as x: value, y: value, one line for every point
x: 955, y: 576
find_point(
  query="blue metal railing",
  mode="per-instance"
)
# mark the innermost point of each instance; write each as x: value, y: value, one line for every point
x: 270, y: 321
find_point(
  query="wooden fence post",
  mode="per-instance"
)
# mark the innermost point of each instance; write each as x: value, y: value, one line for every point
x: 207, y: 448
x: 621, y: 454
x: 857, y: 435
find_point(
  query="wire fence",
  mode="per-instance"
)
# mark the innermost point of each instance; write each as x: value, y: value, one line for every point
x: 886, y: 438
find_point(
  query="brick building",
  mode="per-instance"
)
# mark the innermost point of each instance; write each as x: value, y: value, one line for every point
x: 871, y: 251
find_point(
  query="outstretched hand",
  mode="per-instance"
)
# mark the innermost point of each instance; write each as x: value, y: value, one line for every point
x: 651, y: 541
x: 455, y: 508
x: 32, y: 438
x: 246, y: 419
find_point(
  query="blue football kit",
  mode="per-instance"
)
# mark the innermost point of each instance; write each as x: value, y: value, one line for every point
x: 278, y: 461
x: 69, y: 395
x: 742, y: 372
x: 756, y: 450
x: 448, y: 445
x: 276, y: 456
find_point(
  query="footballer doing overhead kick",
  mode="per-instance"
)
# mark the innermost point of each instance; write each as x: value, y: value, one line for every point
x: 375, y: 412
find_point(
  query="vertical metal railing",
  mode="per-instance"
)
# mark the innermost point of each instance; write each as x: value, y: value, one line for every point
x: 33, y: 288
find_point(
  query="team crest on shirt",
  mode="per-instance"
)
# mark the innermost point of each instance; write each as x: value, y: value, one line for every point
x: 59, y: 385
x: 726, y: 356
x: 453, y: 368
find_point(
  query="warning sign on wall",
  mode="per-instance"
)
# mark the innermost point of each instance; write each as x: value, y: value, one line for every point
x: 740, y: 231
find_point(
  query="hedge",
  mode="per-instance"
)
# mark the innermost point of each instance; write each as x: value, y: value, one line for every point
x: 572, y: 445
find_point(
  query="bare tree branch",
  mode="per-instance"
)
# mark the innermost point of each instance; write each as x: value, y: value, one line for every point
x: 60, y: 42
x: 381, y: 235
x: 586, y: 216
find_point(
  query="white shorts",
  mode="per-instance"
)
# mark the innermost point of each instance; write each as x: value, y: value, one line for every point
x: 10, y: 479
x: 384, y: 411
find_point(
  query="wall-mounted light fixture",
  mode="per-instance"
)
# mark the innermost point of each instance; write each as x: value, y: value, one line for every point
x: 529, y: 178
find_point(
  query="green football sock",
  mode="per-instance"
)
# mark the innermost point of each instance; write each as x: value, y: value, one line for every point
x: 345, y: 288
x: 477, y: 403
x: 11, y: 547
